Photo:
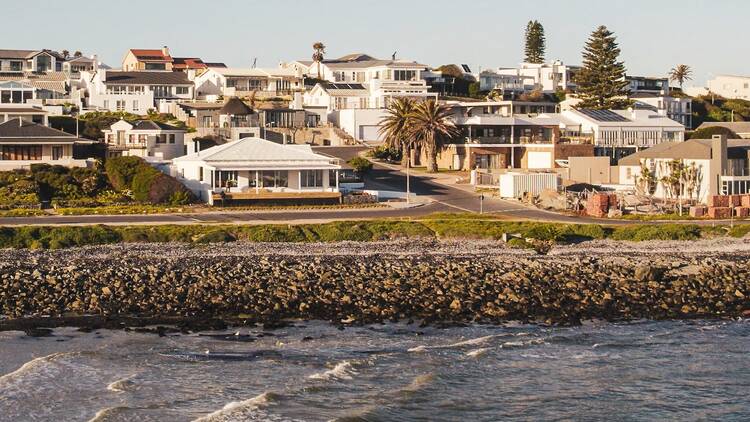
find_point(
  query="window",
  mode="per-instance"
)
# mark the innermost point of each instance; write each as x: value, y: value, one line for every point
x: 16, y: 66
x: 105, y: 104
x: 225, y: 179
x: 136, y: 107
x: 200, y: 174
x: 161, y: 139
x: 57, y: 152
x: 207, y: 121
x: 171, y: 138
x: 120, y: 105
x: 405, y: 75
x: 142, y: 139
x: 311, y: 178
x: 182, y: 90
x: 274, y: 179
x: 131, y: 139
x: 19, y: 152
x: 156, y: 66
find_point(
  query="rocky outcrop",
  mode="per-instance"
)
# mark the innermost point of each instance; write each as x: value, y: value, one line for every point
x: 365, y: 283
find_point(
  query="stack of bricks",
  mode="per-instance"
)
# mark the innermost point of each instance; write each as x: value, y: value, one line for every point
x: 719, y: 206
x: 598, y: 205
x: 743, y: 211
x: 697, y: 211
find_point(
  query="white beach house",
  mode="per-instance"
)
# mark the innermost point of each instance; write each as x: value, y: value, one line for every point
x: 256, y: 170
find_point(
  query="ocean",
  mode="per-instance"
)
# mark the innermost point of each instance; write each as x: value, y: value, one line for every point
x: 312, y: 371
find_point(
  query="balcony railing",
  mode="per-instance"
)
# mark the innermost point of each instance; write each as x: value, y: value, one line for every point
x: 11, y: 69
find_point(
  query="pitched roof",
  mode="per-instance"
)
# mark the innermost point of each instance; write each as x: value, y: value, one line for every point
x: 21, y: 131
x: 151, y: 54
x: 17, y: 54
x: 215, y: 64
x: 152, y: 125
x: 239, y: 71
x: 736, y: 127
x: 261, y: 153
x: 188, y: 63
x: 236, y: 107
x: 145, y: 77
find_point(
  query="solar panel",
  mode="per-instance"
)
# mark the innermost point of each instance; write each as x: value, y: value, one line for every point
x: 603, y: 115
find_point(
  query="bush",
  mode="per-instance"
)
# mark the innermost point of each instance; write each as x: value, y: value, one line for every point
x: 384, y: 153
x: 361, y: 165
x: 142, y: 182
x: 708, y: 132
x: 122, y: 170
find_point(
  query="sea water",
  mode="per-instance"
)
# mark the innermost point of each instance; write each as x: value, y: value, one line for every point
x: 312, y: 371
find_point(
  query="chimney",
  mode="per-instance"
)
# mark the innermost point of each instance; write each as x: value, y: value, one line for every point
x: 165, y: 50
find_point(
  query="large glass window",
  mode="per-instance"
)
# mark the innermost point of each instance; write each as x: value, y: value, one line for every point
x: 182, y: 90
x: 225, y: 178
x: 21, y: 152
x: 311, y: 178
x: 405, y: 75
x: 156, y: 66
x: 274, y: 179
x: 57, y: 152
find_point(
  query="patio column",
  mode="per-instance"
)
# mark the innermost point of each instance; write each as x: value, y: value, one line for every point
x: 257, y: 182
x: 337, y: 180
x: 299, y: 180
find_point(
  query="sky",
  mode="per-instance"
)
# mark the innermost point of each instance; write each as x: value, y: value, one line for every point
x: 654, y: 35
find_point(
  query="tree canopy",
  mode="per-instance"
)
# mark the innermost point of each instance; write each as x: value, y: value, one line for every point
x: 601, y: 81
x: 535, y: 45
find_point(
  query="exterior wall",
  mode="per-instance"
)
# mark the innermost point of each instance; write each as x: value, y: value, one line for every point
x: 735, y: 87
x: 594, y: 170
x: 134, y: 103
x: 357, y: 122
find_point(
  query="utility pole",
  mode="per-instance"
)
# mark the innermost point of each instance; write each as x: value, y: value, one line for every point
x: 481, y: 203
x: 408, y: 165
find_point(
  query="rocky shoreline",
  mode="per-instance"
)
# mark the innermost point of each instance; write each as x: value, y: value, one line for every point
x: 212, y: 286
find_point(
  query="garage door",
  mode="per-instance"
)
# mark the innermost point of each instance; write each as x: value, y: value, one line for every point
x: 369, y: 133
x: 540, y: 160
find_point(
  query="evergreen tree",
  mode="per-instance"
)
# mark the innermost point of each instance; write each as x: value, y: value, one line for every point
x: 601, y: 81
x: 535, y: 43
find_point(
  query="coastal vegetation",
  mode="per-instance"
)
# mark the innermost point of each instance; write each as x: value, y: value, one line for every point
x: 439, y: 227
x: 535, y: 43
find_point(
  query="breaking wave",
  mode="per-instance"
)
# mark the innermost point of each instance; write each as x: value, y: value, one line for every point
x: 343, y: 370
x: 240, y: 410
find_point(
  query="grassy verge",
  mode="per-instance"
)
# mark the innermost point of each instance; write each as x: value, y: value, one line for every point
x: 164, y: 209
x: 444, y: 227
x: 22, y: 212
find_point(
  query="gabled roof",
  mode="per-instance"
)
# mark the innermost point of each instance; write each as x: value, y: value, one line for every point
x: 21, y: 131
x: 145, y: 77
x: 260, y: 152
x: 151, y: 54
x: 694, y: 149
x: 17, y: 54
x: 152, y: 125
x: 236, y: 107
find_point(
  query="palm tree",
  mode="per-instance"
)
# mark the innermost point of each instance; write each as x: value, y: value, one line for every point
x: 429, y: 126
x: 394, y: 127
x: 680, y: 74
x: 320, y: 50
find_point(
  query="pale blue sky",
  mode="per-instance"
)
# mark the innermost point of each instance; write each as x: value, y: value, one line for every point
x: 654, y: 34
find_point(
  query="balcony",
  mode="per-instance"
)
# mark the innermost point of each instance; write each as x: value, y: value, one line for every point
x: 576, y: 140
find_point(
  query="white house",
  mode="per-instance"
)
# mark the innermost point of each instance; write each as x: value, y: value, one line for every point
x: 546, y: 77
x: 241, y: 82
x: 137, y: 91
x: 679, y: 109
x: 154, y: 141
x: 730, y: 86
x: 384, y: 79
x: 721, y: 166
x: 254, y: 169
x: 617, y: 133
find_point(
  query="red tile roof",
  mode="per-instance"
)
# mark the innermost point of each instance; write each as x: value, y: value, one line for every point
x: 151, y: 54
x: 188, y: 63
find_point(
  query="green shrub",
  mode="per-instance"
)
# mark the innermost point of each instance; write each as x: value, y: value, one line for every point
x: 215, y: 236
x: 360, y: 165
x: 708, y: 132
x: 657, y: 232
x: 122, y: 170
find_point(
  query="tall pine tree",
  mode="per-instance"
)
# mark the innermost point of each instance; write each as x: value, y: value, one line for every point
x: 601, y: 81
x: 535, y: 43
